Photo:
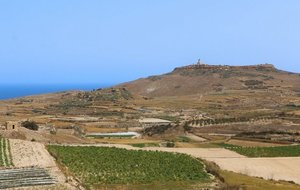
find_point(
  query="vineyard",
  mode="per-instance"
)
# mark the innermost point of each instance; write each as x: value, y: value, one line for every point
x: 5, y: 155
x: 95, y: 166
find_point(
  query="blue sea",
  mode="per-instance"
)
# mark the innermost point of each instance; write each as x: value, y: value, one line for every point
x: 16, y: 91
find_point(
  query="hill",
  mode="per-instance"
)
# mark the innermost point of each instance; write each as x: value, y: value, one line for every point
x: 198, y: 94
x: 203, y: 79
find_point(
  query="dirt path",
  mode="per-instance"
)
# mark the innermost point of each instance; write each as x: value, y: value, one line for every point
x: 287, y: 169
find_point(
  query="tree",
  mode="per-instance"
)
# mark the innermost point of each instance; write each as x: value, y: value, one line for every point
x: 30, y: 125
x: 186, y: 127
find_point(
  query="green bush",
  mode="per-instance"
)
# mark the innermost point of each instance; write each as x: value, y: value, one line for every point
x: 30, y: 125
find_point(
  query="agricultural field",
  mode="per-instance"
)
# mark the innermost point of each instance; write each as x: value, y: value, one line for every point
x: 280, y: 151
x: 233, y: 180
x: 98, y: 166
x: 236, y: 180
x: 23, y: 177
x: 5, y: 155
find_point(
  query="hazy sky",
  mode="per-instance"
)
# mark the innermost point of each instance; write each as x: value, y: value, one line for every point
x: 111, y: 41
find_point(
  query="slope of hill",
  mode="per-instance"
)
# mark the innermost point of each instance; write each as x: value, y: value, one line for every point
x: 201, y: 79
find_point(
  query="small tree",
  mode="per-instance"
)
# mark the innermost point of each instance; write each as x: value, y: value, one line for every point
x: 170, y: 144
x: 186, y: 127
x: 30, y: 125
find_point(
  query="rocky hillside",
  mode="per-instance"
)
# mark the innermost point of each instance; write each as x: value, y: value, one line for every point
x: 203, y: 79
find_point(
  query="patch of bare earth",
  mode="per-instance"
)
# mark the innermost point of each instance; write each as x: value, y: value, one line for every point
x: 287, y: 169
x: 34, y: 154
x: 195, y: 137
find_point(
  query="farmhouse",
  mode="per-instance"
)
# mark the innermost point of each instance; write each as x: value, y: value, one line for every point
x: 12, y: 125
x: 150, y: 122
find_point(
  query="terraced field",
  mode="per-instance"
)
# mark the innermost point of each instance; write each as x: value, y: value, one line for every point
x: 24, y: 177
x: 96, y: 166
x: 28, y: 165
x: 5, y: 155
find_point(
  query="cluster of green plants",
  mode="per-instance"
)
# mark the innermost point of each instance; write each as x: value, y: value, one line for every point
x: 277, y: 151
x: 183, y: 139
x: 157, y: 129
x: 218, y: 121
x: 32, y: 125
x: 236, y: 73
x: 142, y: 145
x: 112, y: 94
x: 225, y: 145
x: 5, y: 156
x: 95, y: 166
x: 67, y: 104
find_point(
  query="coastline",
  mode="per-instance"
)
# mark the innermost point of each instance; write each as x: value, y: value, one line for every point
x: 11, y: 91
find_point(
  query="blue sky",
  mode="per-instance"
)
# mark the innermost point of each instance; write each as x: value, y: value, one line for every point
x: 112, y: 41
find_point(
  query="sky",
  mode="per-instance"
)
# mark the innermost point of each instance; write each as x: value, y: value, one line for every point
x: 113, y: 41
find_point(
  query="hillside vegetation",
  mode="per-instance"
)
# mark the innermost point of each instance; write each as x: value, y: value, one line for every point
x: 195, y: 79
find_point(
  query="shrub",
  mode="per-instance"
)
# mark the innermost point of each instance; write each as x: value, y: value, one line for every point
x: 186, y: 127
x: 30, y: 125
x: 170, y: 144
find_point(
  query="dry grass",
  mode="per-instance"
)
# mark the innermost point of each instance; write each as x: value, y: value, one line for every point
x: 231, y: 180
x: 244, y: 143
x: 253, y: 183
x: 296, y: 112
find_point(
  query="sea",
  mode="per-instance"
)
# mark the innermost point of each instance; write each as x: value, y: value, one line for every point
x: 10, y: 91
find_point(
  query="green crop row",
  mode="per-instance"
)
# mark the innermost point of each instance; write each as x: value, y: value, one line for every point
x: 5, y: 156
